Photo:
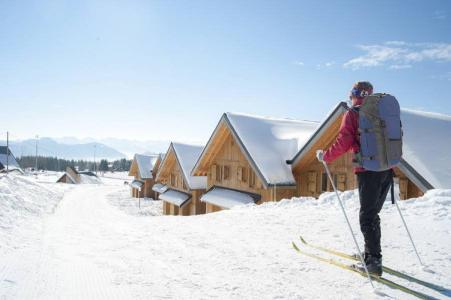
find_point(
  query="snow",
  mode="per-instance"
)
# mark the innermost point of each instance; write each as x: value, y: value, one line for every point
x: 270, y: 142
x: 145, y: 165
x: 130, y: 205
x: 226, y: 198
x: 187, y: 156
x: 174, y: 197
x: 427, y: 145
x: 87, y: 179
x: 92, y: 242
x: 159, y: 188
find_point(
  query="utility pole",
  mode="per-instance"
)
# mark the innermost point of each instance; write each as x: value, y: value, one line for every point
x: 7, y: 152
x: 36, y: 156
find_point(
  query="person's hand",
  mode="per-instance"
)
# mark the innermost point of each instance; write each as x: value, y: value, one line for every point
x: 320, y: 155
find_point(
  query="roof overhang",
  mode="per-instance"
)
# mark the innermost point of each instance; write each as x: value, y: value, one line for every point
x: 175, y: 197
x: 227, y: 198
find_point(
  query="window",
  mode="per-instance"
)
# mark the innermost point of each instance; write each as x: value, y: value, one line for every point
x: 226, y: 173
x: 324, y: 182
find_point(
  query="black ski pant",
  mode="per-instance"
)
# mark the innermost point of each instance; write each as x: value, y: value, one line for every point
x: 373, y: 189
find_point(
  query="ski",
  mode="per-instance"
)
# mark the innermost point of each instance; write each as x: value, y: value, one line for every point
x: 382, y: 280
x: 387, y: 270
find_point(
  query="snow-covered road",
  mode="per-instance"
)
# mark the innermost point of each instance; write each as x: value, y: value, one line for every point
x: 93, y: 248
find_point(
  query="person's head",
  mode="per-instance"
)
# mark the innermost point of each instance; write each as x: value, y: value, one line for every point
x: 359, y: 91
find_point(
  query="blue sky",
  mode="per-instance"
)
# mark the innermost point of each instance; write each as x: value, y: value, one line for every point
x: 169, y: 69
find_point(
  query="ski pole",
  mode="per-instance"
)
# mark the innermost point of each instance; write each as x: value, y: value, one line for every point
x: 349, y: 224
x: 408, y: 232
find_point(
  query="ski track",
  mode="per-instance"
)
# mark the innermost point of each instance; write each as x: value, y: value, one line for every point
x: 91, y: 249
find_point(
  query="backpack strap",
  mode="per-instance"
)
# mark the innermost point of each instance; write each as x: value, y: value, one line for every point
x: 392, y: 187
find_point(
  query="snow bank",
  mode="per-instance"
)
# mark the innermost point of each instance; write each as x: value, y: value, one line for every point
x: 130, y: 205
x: 23, y: 202
x: 86, y: 179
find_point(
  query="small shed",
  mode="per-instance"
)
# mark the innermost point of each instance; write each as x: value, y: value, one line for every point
x: 70, y: 176
x: 179, y: 190
x: 144, y: 169
x: 422, y: 168
x: 245, y: 159
x: 8, y: 160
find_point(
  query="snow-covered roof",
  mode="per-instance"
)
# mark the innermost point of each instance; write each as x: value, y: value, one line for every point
x: 426, y: 150
x: 427, y: 145
x: 11, y: 160
x: 187, y: 156
x: 159, y: 188
x: 227, y: 198
x: 175, y: 197
x: 267, y: 143
x: 145, y: 164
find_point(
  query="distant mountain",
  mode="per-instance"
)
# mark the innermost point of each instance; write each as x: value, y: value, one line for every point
x: 51, y: 147
x: 126, y: 146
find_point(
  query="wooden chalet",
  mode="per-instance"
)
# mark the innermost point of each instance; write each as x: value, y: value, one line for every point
x: 144, y: 169
x: 245, y: 160
x: 412, y: 178
x: 179, y: 190
x: 72, y: 176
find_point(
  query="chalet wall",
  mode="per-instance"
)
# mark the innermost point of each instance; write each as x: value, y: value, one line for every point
x: 230, y: 169
x: 312, y: 180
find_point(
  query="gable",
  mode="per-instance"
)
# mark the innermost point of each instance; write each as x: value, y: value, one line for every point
x: 170, y: 172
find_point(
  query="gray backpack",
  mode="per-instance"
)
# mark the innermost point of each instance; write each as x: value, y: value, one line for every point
x: 380, y: 132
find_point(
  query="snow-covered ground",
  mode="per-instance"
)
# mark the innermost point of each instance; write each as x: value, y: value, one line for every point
x: 90, y: 243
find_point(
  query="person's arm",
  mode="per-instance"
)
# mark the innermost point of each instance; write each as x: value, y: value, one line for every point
x: 345, y: 139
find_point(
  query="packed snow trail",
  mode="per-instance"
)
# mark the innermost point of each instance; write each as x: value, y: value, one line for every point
x: 99, y: 245
x: 59, y: 267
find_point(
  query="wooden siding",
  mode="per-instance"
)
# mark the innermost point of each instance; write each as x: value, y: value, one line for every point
x: 312, y: 180
x: 230, y: 169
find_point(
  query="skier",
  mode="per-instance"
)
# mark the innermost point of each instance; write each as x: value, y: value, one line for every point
x: 373, y: 186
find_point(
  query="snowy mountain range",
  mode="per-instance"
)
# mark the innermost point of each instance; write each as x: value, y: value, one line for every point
x: 50, y: 147
x: 75, y: 148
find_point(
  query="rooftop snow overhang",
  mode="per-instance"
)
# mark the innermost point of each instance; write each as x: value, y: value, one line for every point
x: 137, y: 184
x: 224, y: 121
x: 227, y: 198
x: 175, y: 197
x: 159, y: 188
x: 414, y: 176
x: 331, y: 118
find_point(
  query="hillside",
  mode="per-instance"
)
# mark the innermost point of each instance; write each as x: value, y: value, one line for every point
x: 96, y: 244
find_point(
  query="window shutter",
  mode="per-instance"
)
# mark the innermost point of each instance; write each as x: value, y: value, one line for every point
x: 213, y: 172
x: 226, y: 173
x: 239, y: 173
x: 311, y: 182
x: 218, y: 173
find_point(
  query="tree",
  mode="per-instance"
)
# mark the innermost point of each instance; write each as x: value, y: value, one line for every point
x: 103, y: 165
